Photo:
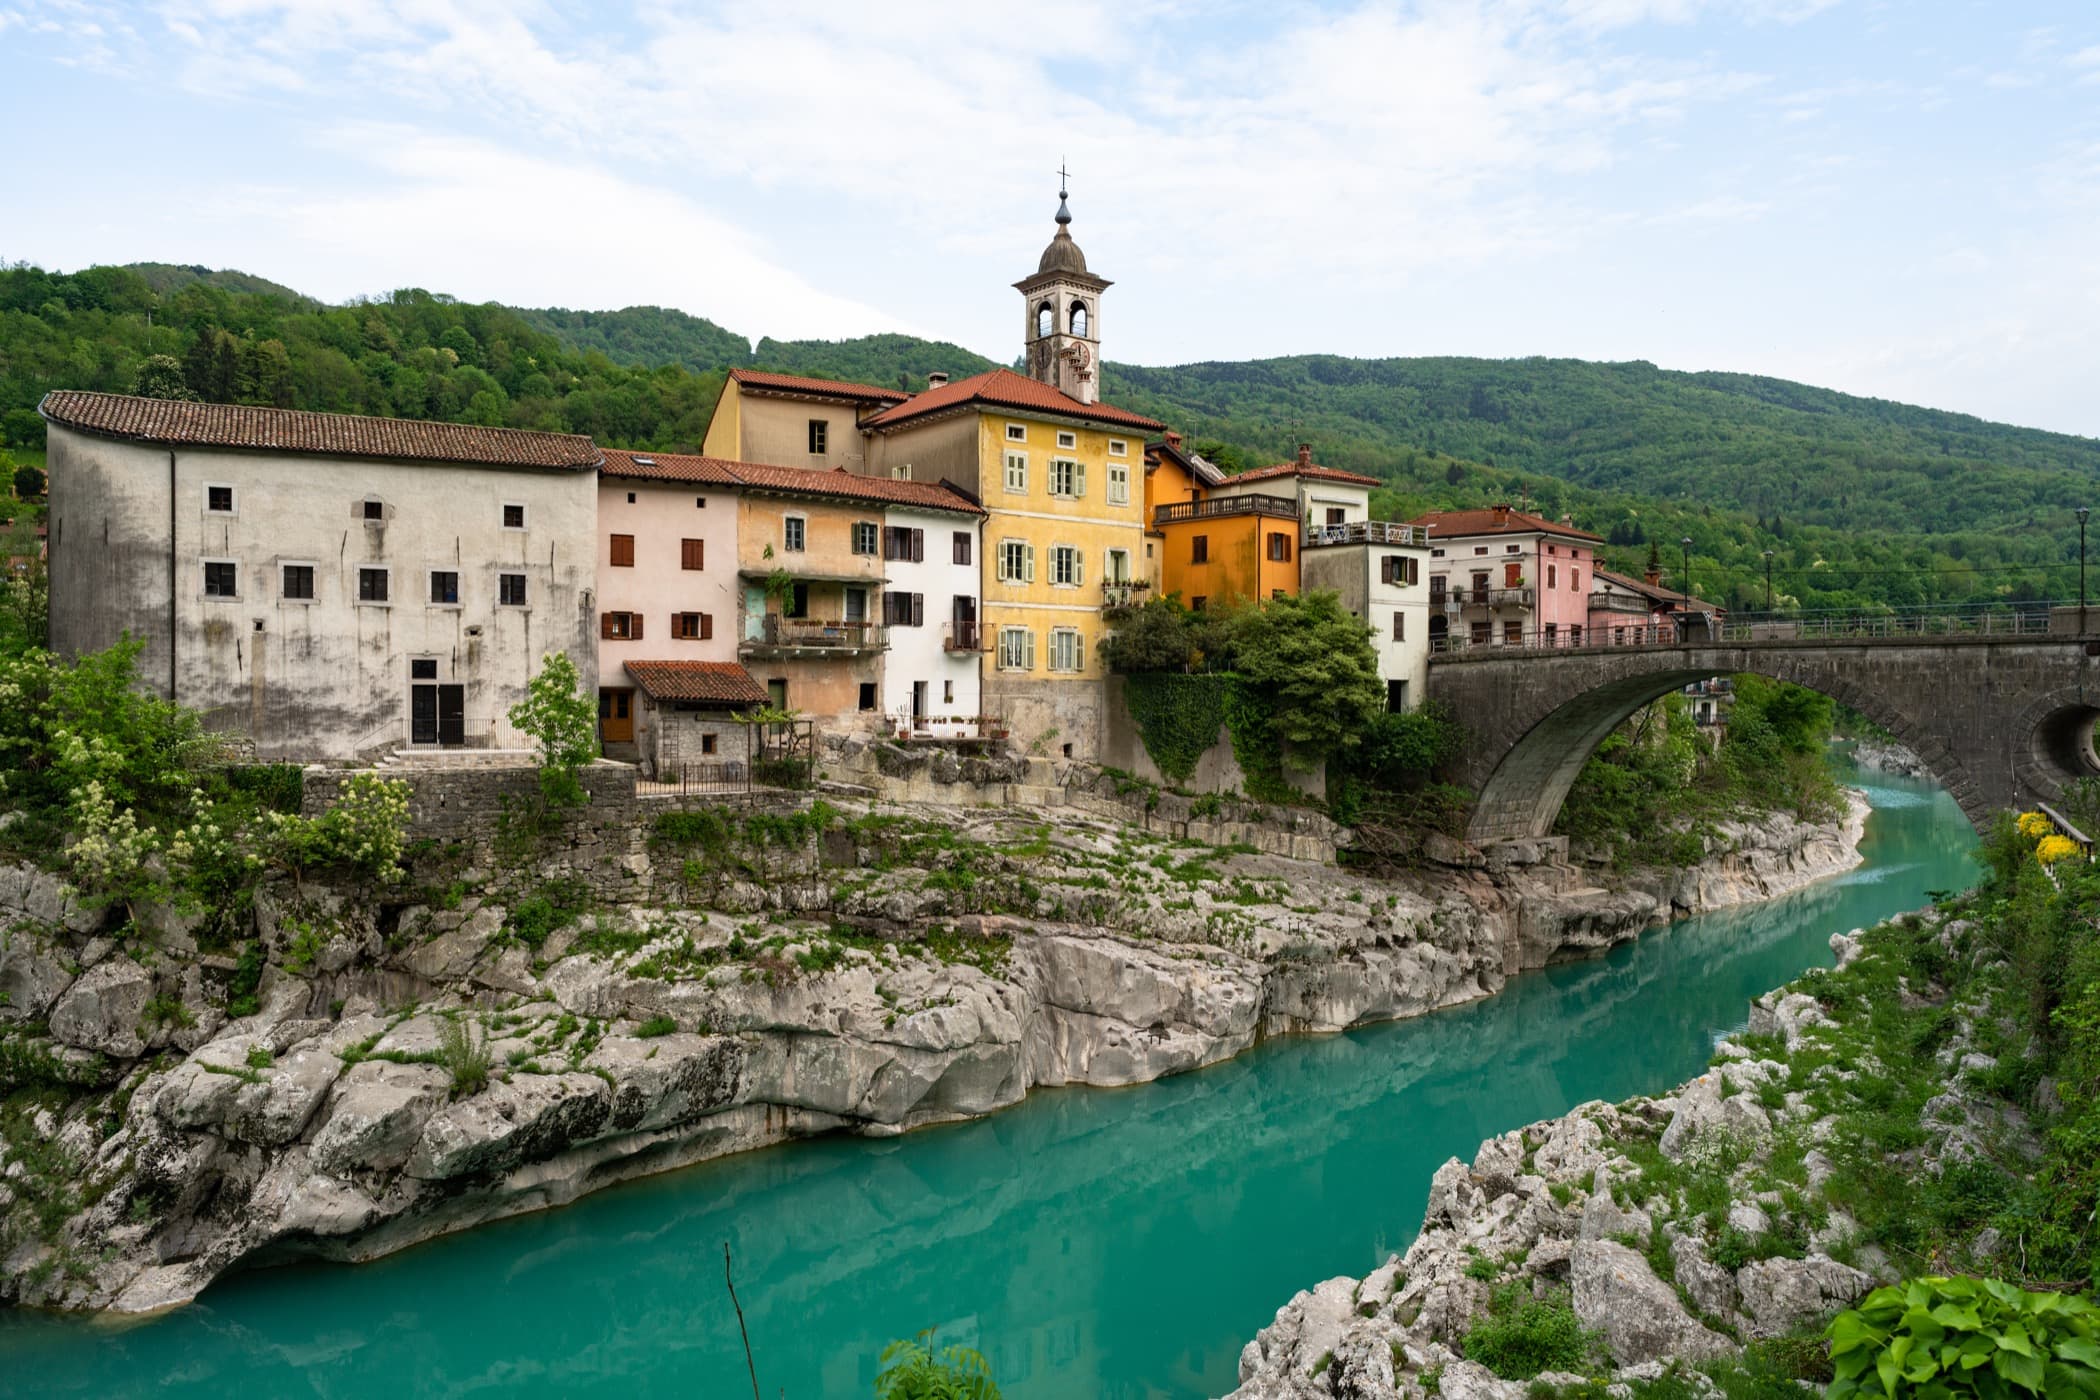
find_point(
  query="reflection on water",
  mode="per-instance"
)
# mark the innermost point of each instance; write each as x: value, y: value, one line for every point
x: 1115, y: 1243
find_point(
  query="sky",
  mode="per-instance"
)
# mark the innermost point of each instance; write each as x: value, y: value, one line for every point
x: 1898, y: 198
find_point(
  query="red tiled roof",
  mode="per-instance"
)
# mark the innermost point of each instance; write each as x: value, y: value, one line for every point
x: 1450, y: 524
x: 1002, y: 388
x: 707, y: 682
x: 804, y: 384
x: 333, y: 434
x: 669, y: 466
x: 1655, y: 592
x: 1307, y: 470
x: 841, y: 483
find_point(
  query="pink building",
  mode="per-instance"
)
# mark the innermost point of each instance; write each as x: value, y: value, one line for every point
x: 1626, y: 611
x: 1501, y: 577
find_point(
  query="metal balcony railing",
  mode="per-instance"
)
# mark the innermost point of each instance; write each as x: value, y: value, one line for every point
x: 780, y: 634
x: 1512, y: 597
x: 1605, y: 602
x: 965, y: 636
x: 1364, y: 532
x: 1216, y: 506
x: 1124, y: 593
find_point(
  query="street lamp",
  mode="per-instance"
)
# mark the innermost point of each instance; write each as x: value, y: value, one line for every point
x: 1768, y: 580
x: 2082, y: 513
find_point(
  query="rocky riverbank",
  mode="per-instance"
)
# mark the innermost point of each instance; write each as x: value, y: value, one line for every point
x: 358, y: 1073
x: 1704, y: 1231
x: 1888, y: 756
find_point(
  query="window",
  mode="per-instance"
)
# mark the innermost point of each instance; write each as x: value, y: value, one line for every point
x: 1480, y: 549
x: 1118, y: 566
x: 864, y: 532
x: 1513, y: 633
x: 1119, y: 483
x: 298, y: 583
x: 1405, y: 571
x: 510, y: 590
x: 221, y: 579
x: 1045, y: 320
x: 1552, y: 631
x: 947, y: 692
x: 856, y: 605
x: 1513, y: 575
x: 423, y: 669
x: 692, y: 554
x: 1017, y: 432
x: 1552, y: 575
x: 1016, y: 561
x: 1279, y: 547
x: 1337, y: 515
x: 1067, y: 650
x: 819, y: 436
x: 1399, y: 626
x: 372, y: 585
x: 699, y: 503
x: 1016, y: 649
x: 794, y: 531
x: 1574, y: 580
x: 1067, y: 477
x: 904, y: 609
x: 1436, y: 553
x: 444, y: 587
x: 707, y: 744
x: 1117, y: 447
x: 623, y: 551
x: 959, y: 547
x: 796, y: 604
x: 1396, y: 697
x: 1199, y: 549
x: 1065, y: 568
x: 1574, y: 636
x: 630, y: 498
x: 1068, y: 439
x: 692, y: 626
x: 1506, y: 549
x: 777, y: 692
x: 1196, y: 603
x: 867, y: 695
x: 375, y: 510
x: 1079, y: 318
x: 620, y: 626
x: 903, y: 543
x: 1017, y: 472
x: 218, y: 500
x: 513, y: 516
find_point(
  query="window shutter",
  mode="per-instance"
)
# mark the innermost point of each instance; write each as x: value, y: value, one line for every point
x: 1079, y: 566
x: 634, y: 621
x: 1078, y: 652
x: 707, y: 627
x: 1079, y: 478
x: 623, y: 551
x: 918, y: 546
x: 1028, y: 648
x: 605, y: 627
x: 1399, y: 625
x: 1028, y: 569
x: 918, y: 609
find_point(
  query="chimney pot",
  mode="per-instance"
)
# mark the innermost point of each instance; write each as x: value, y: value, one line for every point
x: 1173, y: 438
x: 1304, y: 454
x: 936, y: 379
x: 1502, y: 515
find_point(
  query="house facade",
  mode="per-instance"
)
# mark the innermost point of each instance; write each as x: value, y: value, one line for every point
x: 791, y: 420
x: 1378, y: 569
x: 326, y: 586
x: 932, y: 672
x: 1639, y: 611
x: 1504, y: 577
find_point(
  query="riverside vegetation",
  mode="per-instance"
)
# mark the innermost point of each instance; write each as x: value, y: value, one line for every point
x: 1888, y: 1185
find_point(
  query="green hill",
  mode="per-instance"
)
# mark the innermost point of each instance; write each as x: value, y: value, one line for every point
x: 1858, y: 500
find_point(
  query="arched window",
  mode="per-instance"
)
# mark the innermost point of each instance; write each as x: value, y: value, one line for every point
x: 1045, y: 320
x: 1079, y: 318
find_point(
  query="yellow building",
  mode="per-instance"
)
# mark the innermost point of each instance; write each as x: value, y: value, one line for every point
x: 791, y: 420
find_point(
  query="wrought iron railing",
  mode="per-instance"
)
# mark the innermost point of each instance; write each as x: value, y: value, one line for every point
x: 1698, y: 629
x: 802, y: 632
x: 965, y: 636
x: 1215, y: 506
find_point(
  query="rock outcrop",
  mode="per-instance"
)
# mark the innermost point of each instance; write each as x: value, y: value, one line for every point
x: 362, y: 1074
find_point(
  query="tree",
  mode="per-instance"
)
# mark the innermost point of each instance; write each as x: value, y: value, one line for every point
x: 1162, y: 635
x: 29, y: 483
x: 563, y: 723
x: 161, y: 377
x: 1309, y: 663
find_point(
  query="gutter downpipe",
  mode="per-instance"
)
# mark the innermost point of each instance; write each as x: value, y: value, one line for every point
x: 172, y: 696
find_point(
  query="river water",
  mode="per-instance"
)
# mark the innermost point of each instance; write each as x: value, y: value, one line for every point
x: 1119, y: 1243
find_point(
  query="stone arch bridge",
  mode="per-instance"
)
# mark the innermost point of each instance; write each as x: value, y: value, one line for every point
x: 2001, y: 721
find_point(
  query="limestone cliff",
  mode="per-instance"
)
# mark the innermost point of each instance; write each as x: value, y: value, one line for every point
x: 365, y: 1071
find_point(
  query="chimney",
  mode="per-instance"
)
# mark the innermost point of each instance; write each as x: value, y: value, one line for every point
x: 1655, y: 578
x: 1501, y: 516
x: 936, y: 379
x: 1173, y: 438
x: 1304, y: 454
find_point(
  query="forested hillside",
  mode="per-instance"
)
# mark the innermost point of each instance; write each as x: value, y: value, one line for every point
x: 1858, y: 500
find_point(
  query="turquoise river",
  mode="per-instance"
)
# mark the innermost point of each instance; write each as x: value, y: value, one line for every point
x: 1119, y: 1243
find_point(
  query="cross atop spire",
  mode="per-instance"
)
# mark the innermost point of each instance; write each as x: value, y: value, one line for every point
x: 1064, y: 214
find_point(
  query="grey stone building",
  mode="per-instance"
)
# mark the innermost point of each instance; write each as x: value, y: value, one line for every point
x: 327, y: 586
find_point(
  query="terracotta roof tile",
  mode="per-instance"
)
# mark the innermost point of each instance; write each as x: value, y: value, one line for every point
x: 707, y: 682
x: 1500, y: 520
x: 844, y: 485
x: 1002, y: 388
x: 1655, y: 592
x: 1307, y: 470
x: 669, y: 466
x: 805, y: 384
x: 333, y: 434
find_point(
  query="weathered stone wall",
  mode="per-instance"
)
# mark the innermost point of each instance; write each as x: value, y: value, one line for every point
x: 1999, y: 721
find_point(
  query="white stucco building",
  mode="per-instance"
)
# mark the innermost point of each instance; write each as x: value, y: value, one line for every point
x: 1378, y: 568
x: 328, y: 586
x: 932, y: 559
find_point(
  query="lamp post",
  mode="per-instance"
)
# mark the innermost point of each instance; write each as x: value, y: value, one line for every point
x: 2083, y: 511
x: 1768, y: 580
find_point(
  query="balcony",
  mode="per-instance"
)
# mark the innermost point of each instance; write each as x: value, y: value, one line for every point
x: 965, y: 636
x: 1364, y: 532
x: 1609, y: 603
x: 1216, y: 507
x: 779, y: 636
x: 1124, y: 593
x: 1511, y: 597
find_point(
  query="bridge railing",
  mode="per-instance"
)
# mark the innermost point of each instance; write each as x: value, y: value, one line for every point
x: 1987, y: 620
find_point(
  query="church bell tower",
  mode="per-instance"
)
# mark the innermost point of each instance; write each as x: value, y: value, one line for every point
x: 1063, y: 305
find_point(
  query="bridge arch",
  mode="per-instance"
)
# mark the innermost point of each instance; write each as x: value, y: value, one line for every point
x: 1998, y: 723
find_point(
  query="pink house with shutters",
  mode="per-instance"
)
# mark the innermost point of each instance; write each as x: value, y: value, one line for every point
x: 1504, y: 577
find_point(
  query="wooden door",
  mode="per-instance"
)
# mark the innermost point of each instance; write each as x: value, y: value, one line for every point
x: 616, y: 716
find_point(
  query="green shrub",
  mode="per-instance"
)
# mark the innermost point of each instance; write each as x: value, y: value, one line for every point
x: 241, y: 998
x: 654, y: 1027
x: 1963, y: 1336
x: 464, y: 1054
x: 536, y: 917
x: 1522, y: 1335
x: 911, y: 1370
